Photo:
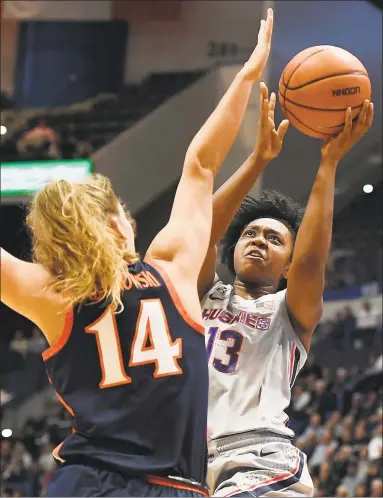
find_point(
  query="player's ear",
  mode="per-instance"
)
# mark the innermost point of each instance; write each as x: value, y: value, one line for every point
x: 115, y: 223
x: 286, y: 270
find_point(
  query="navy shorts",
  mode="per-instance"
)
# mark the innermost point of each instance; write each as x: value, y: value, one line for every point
x: 83, y: 480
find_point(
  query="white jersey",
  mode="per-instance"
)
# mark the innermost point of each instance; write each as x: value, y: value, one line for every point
x: 254, y: 357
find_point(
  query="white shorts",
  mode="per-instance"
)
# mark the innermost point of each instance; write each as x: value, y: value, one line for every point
x: 257, y: 464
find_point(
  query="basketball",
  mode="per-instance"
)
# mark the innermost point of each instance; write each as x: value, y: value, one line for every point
x: 318, y: 85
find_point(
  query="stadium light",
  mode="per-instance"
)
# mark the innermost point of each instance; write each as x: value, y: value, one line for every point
x: 3, y: 130
x: 367, y: 189
x: 6, y: 432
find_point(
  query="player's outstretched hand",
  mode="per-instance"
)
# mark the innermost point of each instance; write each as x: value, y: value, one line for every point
x: 254, y: 66
x: 334, y: 149
x: 269, y: 140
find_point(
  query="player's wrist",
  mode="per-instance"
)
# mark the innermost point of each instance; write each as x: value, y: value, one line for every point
x: 328, y: 162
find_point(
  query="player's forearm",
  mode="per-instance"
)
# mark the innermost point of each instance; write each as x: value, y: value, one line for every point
x: 214, y: 140
x: 314, y: 236
x: 228, y: 198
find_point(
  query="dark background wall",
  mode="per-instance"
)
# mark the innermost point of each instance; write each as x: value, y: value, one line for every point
x: 59, y: 63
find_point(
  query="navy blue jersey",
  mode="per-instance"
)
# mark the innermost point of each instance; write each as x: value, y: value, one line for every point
x: 136, y: 382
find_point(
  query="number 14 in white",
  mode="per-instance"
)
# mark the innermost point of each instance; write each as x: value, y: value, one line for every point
x: 152, y: 328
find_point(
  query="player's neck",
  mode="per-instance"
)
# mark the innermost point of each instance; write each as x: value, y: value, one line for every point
x: 248, y: 290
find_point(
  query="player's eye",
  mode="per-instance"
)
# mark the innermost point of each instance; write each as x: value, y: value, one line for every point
x: 249, y: 233
x: 274, y: 238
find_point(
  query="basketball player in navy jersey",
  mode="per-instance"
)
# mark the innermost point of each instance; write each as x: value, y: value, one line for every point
x: 127, y: 355
x: 258, y: 331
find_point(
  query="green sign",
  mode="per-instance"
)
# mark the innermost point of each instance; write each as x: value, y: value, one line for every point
x: 25, y: 178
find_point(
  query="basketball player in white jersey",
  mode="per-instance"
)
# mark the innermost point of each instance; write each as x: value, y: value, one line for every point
x: 258, y: 331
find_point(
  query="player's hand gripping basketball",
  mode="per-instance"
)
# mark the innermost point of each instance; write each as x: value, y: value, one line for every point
x: 334, y: 149
x: 254, y: 66
x: 269, y: 140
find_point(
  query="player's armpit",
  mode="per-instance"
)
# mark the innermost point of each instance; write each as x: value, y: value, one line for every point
x: 207, y: 274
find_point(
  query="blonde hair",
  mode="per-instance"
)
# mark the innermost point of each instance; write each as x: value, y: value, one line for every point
x: 72, y: 238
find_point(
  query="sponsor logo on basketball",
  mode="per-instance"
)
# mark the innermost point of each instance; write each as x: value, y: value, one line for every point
x: 263, y: 323
x: 352, y: 90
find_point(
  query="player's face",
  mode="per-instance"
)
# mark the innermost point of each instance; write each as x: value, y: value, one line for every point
x: 263, y: 252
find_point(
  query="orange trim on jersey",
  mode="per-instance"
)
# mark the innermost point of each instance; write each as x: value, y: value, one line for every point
x: 176, y: 300
x: 173, y: 483
x: 65, y: 404
x: 63, y: 337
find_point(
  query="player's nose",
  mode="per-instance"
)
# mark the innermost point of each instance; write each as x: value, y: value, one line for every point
x: 259, y: 241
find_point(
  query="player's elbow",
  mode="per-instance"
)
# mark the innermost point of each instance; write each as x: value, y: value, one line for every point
x: 200, y: 163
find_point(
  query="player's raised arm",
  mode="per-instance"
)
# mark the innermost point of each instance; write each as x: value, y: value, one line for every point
x: 228, y: 198
x: 24, y: 288
x: 186, y: 236
x: 306, y: 276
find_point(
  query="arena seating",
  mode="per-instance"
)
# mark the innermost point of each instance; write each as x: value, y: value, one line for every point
x: 99, y: 119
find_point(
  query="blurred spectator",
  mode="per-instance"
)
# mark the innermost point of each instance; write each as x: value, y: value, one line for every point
x: 311, y: 367
x: 342, y: 333
x: 360, y: 490
x: 368, y: 320
x: 342, y: 491
x: 327, y: 482
x: 39, y: 142
x: 363, y: 464
x: 84, y: 148
x: 374, y: 472
x: 68, y: 145
x: 324, y: 402
x: 375, y: 445
x: 314, y: 428
x: 376, y: 487
x: 321, y: 451
x: 350, y: 480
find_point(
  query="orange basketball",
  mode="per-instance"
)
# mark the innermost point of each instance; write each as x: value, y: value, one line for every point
x: 318, y: 85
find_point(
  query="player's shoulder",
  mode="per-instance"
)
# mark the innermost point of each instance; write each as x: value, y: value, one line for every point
x: 275, y: 298
x: 218, y: 292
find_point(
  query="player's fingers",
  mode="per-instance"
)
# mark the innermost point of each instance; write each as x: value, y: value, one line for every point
x: 363, y: 112
x: 282, y: 128
x: 261, y: 97
x: 370, y: 115
x: 272, y: 101
x: 264, y: 91
x: 261, y: 30
x: 269, y: 24
x: 348, y: 122
x: 265, y: 113
x: 271, y: 124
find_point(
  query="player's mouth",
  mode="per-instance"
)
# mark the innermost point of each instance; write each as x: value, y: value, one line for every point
x: 254, y: 255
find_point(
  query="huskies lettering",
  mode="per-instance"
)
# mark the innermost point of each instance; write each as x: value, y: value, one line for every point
x: 353, y: 90
x: 251, y: 320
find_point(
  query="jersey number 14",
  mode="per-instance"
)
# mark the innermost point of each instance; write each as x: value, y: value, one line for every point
x: 151, y: 344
